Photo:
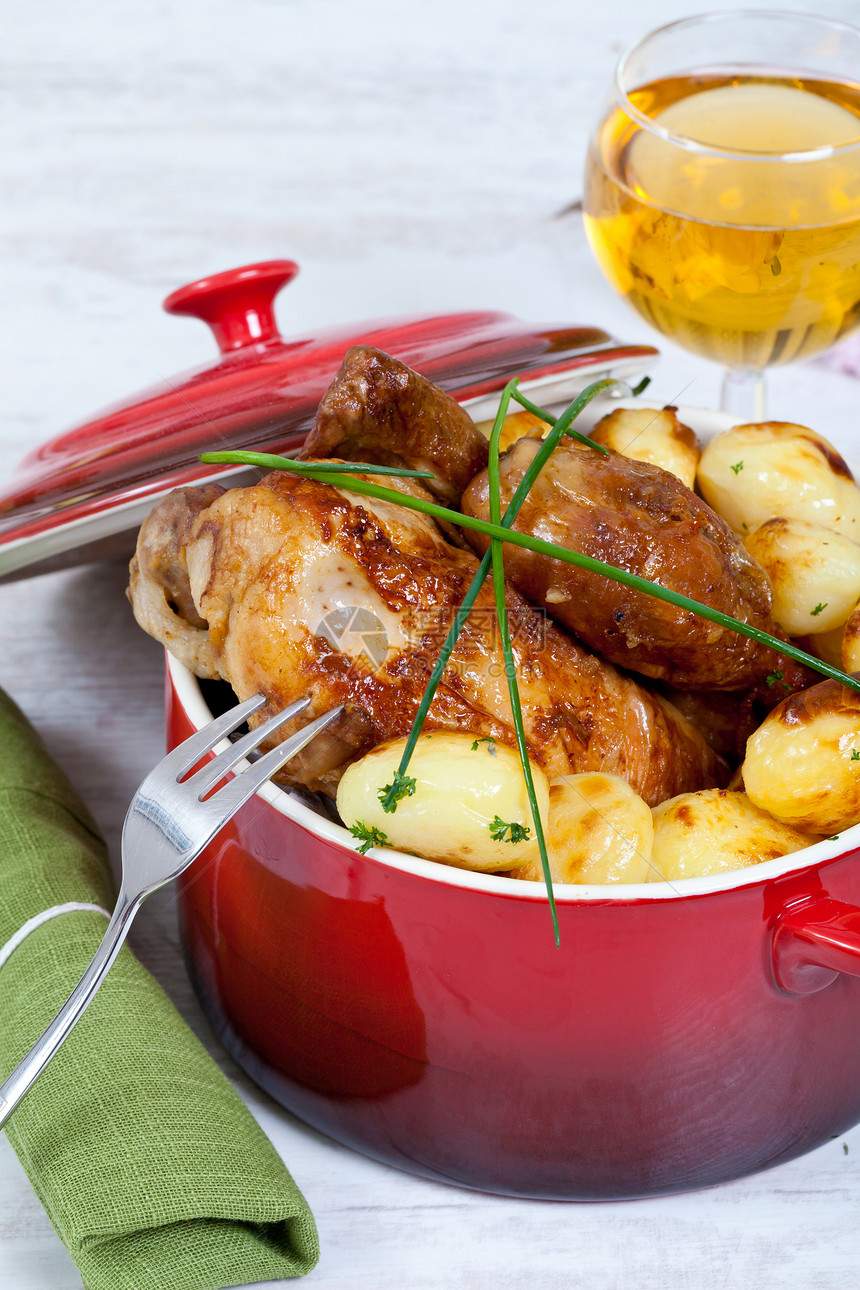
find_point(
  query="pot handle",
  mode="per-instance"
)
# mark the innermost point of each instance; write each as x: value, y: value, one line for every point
x: 813, y: 943
x: 239, y: 304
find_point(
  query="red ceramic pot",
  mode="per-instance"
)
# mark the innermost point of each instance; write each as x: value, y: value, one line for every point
x: 681, y: 1035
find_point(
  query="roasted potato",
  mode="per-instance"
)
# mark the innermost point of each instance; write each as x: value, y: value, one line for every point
x: 850, y: 643
x: 754, y: 472
x: 651, y: 434
x: 814, y: 572
x: 826, y: 646
x: 518, y: 425
x: 468, y: 808
x: 803, y: 763
x: 599, y: 831
x: 715, y: 831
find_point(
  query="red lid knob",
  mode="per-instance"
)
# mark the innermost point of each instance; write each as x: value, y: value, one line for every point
x: 239, y: 304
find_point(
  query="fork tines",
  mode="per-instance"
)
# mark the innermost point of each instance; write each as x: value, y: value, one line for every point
x: 214, y: 771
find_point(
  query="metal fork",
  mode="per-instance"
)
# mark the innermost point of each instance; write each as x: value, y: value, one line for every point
x: 166, y: 827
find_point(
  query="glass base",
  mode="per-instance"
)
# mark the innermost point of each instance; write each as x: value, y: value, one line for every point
x: 743, y: 394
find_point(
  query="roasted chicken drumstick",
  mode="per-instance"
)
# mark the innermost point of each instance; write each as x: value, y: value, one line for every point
x: 378, y: 410
x: 636, y: 516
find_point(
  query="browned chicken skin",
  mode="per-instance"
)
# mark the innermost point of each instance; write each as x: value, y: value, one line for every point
x: 726, y: 718
x: 158, y: 583
x: 307, y: 589
x: 634, y: 515
x: 378, y: 410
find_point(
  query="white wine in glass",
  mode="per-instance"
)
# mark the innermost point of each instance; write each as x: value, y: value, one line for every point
x: 723, y: 191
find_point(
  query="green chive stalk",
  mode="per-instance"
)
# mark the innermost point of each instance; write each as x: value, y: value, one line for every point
x: 327, y: 473
x: 499, y: 530
x: 495, y: 493
x: 545, y: 416
x: 556, y: 552
x: 269, y: 461
x: 560, y: 426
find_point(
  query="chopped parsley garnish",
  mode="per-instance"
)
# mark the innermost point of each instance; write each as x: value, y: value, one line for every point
x: 855, y: 755
x: 776, y: 678
x: 737, y: 467
x: 489, y: 741
x: 499, y: 831
x: 369, y: 836
x: 818, y: 608
x: 390, y: 794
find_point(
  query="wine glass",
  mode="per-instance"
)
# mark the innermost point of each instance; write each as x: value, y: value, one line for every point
x: 722, y: 189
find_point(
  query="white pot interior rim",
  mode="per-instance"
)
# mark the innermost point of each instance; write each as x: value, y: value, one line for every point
x: 191, y: 699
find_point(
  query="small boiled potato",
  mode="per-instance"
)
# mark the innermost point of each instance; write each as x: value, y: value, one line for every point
x: 654, y: 435
x: 599, y: 831
x: 753, y: 472
x: 518, y: 425
x: 715, y: 831
x: 462, y: 785
x: 815, y: 573
x: 840, y: 647
x: 850, y: 643
x: 824, y: 645
x: 803, y: 763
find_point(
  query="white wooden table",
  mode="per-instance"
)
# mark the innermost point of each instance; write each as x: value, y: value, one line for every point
x: 411, y: 160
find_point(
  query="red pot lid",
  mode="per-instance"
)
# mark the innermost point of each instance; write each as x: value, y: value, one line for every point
x: 83, y: 495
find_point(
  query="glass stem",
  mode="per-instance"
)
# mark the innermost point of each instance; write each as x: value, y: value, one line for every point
x: 743, y: 394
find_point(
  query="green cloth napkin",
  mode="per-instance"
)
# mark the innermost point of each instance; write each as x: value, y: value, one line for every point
x: 150, y: 1167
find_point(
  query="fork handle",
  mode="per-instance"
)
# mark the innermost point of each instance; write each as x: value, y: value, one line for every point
x: 31, y: 1066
